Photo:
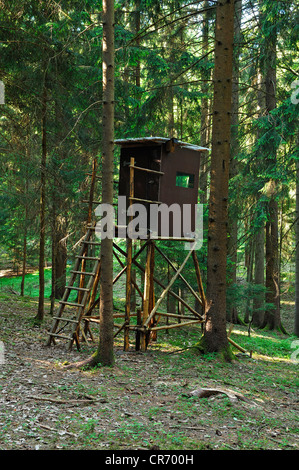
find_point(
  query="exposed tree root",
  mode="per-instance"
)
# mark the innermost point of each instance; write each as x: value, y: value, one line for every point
x: 207, y: 392
x: 88, y: 363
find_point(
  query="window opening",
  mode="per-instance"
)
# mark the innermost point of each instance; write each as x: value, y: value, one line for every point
x: 184, y: 180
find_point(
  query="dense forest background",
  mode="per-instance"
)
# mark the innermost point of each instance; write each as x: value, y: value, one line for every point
x: 51, y: 132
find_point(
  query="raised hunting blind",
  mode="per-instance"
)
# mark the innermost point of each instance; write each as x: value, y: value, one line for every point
x: 166, y: 171
x: 152, y: 171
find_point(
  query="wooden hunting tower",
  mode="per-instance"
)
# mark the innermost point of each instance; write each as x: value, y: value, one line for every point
x: 153, y: 171
x: 166, y: 171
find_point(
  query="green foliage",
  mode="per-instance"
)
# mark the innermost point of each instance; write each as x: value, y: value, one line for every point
x: 163, y: 86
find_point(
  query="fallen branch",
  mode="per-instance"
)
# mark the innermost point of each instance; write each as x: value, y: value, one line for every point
x: 43, y: 426
x: 192, y: 428
x: 237, y: 345
x: 68, y: 401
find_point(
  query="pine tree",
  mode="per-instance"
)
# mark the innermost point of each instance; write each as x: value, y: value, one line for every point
x: 105, y: 353
x: 272, y: 316
x: 215, y: 337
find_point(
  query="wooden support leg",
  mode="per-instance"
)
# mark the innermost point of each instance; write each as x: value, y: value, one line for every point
x: 128, y: 294
x: 129, y: 263
x: 92, y: 299
x: 147, y: 295
x: 139, y: 323
x: 200, y: 285
x: 151, y: 304
x: 154, y: 310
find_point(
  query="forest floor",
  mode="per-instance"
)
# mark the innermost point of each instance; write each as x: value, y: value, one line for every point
x: 144, y: 401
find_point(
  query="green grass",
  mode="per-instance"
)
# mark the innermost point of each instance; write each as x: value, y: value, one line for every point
x: 156, y: 385
x: 146, y: 400
x: 263, y: 342
x: 31, y: 286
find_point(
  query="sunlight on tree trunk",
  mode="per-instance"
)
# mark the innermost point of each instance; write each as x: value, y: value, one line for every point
x: 296, y: 330
x: 105, y: 353
x: 215, y: 337
x: 41, y: 298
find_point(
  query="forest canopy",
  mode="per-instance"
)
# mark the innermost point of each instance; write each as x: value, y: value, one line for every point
x: 51, y: 130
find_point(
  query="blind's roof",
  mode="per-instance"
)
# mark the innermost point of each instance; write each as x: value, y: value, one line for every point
x: 159, y: 140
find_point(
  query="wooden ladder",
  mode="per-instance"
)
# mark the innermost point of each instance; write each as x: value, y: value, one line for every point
x: 66, y: 324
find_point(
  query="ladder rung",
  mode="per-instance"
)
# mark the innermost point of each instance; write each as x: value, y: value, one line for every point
x: 90, y: 174
x: 99, y: 202
x: 91, y: 243
x: 66, y: 319
x: 144, y: 200
x: 88, y: 257
x: 83, y: 272
x: 93, y: 202
x: 78, y: 288
x: 73, y: 304
x: 60, y: 336
x: 148, y: 170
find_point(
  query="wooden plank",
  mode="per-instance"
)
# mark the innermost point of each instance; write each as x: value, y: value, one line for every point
x: 144, y: 200
x: 83, y: 272
x: 92, y: 243
x: 176, y: 315
x: 168, y: 288
x: 99, y: 202
x: 76, y: 328
x: 125, y: 254
x: 120, y: 328
x: 173, y: 239
x: 77, y: 288
x: 199, y: 282
x: 67, y: 290
x: 176, y: 325
x: 69, y: 320
x: 95, y: 284
x: 181, y: 277
x: 155, y: 279
x: 129, y: 262
x: 139, y: 320
x: 93, y: 293
x: 57, y: 335
x: 132, y: 280
x: 93, y: 202
x: 154, y: 321
x: 147, y: 296
x: 148, y: 170
x: 72, y: 304
x: 91, y: 190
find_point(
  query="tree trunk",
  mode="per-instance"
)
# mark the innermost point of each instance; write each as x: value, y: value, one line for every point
x: 215, y: 337
x: 258, y: 310
x: 24, y: 255
x: 249, y: 279
x: 54, y: 253
x: 41, y: 298
x: 61, y: 257
x: 234, y: 208
x: 25, y: 229
x: 105, y: 353
x: 137, y: 30
x: 272, y: 316
x: 204, y: 121
x: 259, y: 278
x: 296, y: 330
